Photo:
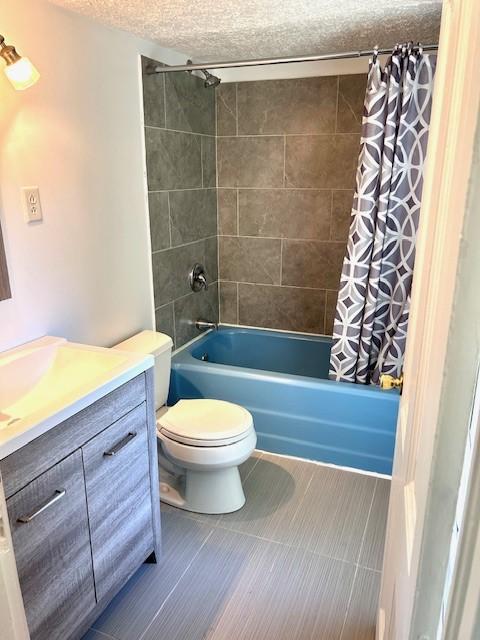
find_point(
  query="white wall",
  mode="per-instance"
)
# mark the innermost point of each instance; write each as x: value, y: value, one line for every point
x: 85, y: 272
x: 295, y: 70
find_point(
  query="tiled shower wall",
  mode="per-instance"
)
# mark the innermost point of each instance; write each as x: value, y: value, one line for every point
x: 287, y: 153
x: 179, y: 116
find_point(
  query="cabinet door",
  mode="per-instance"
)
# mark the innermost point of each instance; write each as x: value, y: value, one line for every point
x: 117, y: 477
x: 49, y: 524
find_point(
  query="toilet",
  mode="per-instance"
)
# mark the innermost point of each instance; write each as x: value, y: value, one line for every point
x: 201, y: 442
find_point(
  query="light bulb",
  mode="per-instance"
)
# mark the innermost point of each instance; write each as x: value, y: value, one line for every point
x: 22, y: 74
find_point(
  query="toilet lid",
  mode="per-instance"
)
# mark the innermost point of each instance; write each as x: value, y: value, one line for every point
x: 207, y: 422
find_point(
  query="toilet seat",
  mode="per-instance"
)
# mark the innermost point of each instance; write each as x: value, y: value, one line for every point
x: 205, y: 423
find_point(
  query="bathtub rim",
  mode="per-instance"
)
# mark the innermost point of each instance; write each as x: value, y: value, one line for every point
x: 182, y: 357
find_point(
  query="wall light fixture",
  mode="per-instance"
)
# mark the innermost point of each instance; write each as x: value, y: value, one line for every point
x: 19, y: 70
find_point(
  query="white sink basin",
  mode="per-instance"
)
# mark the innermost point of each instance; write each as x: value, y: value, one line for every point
x: 46, y: 381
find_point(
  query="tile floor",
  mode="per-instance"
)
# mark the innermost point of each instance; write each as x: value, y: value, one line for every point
x: 301, y: 560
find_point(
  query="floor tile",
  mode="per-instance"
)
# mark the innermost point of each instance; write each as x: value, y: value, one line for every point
x: 228, y: 561
x: 282, y: 567
x: 374, y: 541
x: 273, y: 491
x: 130, y: 613
x: 362, y: 612
x: 331, y: 518
x: 302, y: 596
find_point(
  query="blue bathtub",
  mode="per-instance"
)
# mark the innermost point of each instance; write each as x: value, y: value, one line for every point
x: 282, y: 378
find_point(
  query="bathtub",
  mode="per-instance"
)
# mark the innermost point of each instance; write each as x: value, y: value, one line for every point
x: 282, y: 378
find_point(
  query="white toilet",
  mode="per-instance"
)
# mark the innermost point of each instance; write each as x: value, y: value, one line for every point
x: 202, y: 442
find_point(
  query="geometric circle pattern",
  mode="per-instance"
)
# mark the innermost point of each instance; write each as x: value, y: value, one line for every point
x: 371, y: 319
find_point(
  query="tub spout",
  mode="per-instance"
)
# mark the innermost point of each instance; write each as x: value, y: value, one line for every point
x: 203, y: 325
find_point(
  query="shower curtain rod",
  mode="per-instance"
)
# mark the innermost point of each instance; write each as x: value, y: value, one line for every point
x: 199, y: 66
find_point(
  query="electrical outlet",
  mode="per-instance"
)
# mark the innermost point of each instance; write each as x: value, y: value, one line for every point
x: 31, y: 204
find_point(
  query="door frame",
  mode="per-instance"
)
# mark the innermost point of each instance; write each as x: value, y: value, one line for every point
x: 453, y: 125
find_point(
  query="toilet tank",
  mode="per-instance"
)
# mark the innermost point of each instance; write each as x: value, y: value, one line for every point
x: 159, y: 345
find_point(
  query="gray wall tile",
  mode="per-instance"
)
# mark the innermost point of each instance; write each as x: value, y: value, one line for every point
x: 312, y: 264
x: 228, y: 302
x: 164, y: 321
x: 323, y: 162
x: 209, y: 162
x: 181, y: 169
x: 249, y: 259
x: 171, y: 268
x: 193, y: 215
x: 227, y: 212
x: 351, y: 95
x: 159, y: 220
x: 250, y: 162
x: 287, y: 308
x: 302, y: 105
x: 153, y: 95
x: 202, y: 305
x: 226, y: 109
x: 285, y: 213
x: 341, y: 214
x: 173, y: 160
x: 189, y: 105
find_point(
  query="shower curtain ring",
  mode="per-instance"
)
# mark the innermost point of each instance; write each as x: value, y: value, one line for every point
x: 375, y: 54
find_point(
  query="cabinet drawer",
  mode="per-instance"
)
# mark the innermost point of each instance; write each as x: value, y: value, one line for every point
x: 21, y: 467
x: 49, y: 524
x: 117, y: 478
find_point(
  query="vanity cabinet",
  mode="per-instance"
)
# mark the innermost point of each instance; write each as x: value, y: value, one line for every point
x: 84, y: 509
x: 49, y: 525
x: 117, y: 478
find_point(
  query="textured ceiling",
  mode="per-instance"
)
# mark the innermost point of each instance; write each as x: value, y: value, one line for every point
x: 228, y: 29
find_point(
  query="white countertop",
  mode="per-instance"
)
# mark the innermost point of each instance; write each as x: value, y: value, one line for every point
x: 44, y: 382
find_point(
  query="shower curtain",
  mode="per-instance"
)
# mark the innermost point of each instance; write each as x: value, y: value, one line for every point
x: 373, y: 304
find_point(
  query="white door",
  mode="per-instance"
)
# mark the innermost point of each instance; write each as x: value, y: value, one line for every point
x: 454, y: 119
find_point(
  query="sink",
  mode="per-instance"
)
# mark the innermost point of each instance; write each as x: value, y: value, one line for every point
x: 45, y: 381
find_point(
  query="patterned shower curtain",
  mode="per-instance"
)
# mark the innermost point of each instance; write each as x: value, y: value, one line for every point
x: 374, y: 298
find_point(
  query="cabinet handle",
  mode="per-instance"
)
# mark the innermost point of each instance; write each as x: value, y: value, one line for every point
x: 119, y: 446
x: 59, y: 493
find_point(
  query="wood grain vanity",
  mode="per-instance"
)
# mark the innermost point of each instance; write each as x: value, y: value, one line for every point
x: 84, y: 510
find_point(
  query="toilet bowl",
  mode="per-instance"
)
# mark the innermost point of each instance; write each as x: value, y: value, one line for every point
x: 205, y: 441
x: 201, y: 441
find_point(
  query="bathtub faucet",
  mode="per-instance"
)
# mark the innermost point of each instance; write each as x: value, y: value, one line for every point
x: 203, y: 325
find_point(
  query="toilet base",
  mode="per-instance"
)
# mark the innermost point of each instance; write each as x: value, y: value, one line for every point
x: 214, y: 492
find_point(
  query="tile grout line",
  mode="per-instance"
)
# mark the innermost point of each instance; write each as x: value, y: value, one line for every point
x: 271, y: 135
x: 232, y: 188
x: 228, y: 235
x: 303, y: 496
x: 292, y: 547
x: 164, y: 100
x: 190, y: 133
x: 281, y: 262
x: 336, y: 108
x: 238, y: 302
x: 185, y: 244
x: 103, y: 634
x: 367, y: 521
x: 169, y: 219
x: 176, y: 585
x: 347, y: 609
x: 270, y: 284
x: 236, y: 110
